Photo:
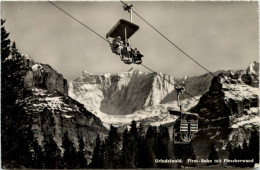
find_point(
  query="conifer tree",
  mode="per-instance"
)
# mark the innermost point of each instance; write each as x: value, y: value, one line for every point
x: 163, y: 146
x: 113, y: 148
x: 244, y: 153
x: 230, y: 152
x: 52, y: 158
x: 213, y: 155
x: 38, y: 156
x: 149, y: 145
x: 148, y: 161
x: 184, y: 152
x: 5, y: 42
x: 11, y: 69
x: 133, y: 129
x: 103, y: 158
x: 125, y: 150
x: 237, y: 155
x: 151, y: 136
x: 133, y: 145
x: 14, y: 50
x: 139, y: 146
x: 245, y: 148
x: 82, y: 162
x: 96, y: 158
x: 24, y: 145
x: 70, y: 152
x: 253, y: 147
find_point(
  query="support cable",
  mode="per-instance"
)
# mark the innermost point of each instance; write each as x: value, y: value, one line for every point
x: 77, y: 20
x: 187, y: 55
x: 156, y: 31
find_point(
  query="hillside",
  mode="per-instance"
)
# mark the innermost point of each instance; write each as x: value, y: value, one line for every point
x: 229, y: 110
x: 36, y: 110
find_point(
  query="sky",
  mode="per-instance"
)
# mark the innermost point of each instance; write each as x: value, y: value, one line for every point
x: 219, y: 35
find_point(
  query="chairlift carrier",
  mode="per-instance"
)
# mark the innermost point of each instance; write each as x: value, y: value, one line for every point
x: 125, y: 30
x: 186, y: 126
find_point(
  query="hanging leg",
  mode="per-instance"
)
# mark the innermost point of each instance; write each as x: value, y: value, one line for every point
x: 125, y: 36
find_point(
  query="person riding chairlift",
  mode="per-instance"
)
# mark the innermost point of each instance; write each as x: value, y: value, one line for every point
x: 137, y: 55
x: 117, y: 46
x: 132, y: 53
x: 125, y: 51
x: 128, y: 50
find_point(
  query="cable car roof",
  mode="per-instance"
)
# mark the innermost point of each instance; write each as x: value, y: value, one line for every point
x: 119, y: 29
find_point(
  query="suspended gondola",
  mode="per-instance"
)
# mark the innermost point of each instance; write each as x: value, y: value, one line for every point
x: 120, y: 35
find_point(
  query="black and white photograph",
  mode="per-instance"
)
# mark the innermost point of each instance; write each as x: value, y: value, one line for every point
x: 129, y: 84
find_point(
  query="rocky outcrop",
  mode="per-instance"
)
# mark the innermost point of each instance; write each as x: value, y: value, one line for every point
x: 36, y: 109
x: 228, y: 111
x: 118, y: 94
x: 252, y: 75
x: 43, y: 76
x: 54, y: 115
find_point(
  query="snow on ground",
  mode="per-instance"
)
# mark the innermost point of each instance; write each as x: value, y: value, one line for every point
x: 48, y: 101
x: 239, y: 91
x: 246, y: 120
x: 154, y: 115
x: 67, y: 116
x: 253, y: 110
x: 54, y: 102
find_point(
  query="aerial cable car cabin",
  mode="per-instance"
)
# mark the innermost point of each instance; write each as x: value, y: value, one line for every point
x: 120, y: 34
x: 186, y: 126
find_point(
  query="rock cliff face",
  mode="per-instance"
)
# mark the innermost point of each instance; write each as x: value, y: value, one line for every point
x: 118, y: 94
x: 43, y: 76
x: 229, y: 110
x: 118, y: 99
x: 36, y: 107
x: 127, y: 92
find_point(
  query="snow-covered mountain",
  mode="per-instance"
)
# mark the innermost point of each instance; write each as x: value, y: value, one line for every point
x: 119, y: 98
x: 134, y: 95
x: 227, y: 104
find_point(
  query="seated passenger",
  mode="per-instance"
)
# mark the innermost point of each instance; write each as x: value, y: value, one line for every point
x: 139, y: 54
x: 128, y: 49
x: 117, y: 41
x: 134, y: 54
x: 117, y: 45
x: 126, y: 52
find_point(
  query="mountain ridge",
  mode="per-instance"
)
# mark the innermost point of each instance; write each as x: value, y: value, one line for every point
x: 36, y: 110
x: 161, y: 88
